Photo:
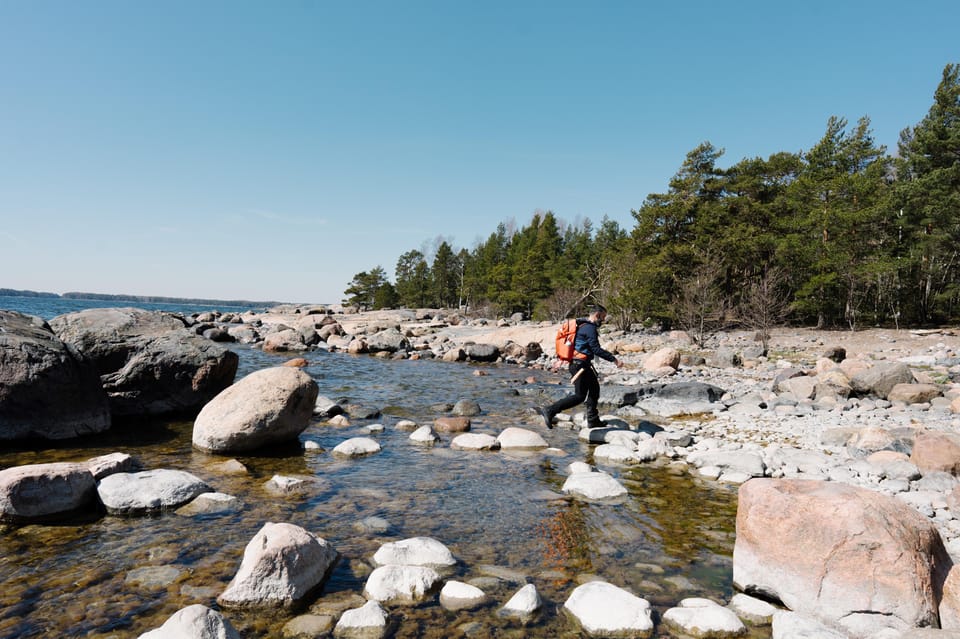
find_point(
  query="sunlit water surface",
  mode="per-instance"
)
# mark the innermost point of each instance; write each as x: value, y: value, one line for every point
x: 501, y: 514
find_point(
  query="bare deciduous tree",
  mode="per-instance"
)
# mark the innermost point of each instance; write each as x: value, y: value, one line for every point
x: 700, y: 307
x: 766, y: 303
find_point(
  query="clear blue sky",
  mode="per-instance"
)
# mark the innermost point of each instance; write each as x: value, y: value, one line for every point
x: 272, y: 150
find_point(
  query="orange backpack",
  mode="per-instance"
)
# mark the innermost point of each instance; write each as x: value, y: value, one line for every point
x: 566, y: 336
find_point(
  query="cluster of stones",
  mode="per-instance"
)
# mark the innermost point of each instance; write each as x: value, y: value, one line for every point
x: 409, y: 334
x: 284, y: 564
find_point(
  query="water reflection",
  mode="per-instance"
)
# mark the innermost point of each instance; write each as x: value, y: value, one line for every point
x: 501, y: 514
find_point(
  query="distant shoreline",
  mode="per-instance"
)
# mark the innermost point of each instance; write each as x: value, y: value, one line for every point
x: 153, y: 299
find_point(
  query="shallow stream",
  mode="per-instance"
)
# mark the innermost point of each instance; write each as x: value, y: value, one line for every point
x: 501, y: 514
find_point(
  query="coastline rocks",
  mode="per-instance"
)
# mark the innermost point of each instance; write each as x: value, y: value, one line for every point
x: 194, y: 622
x: 148, y: 491
x: 148, y: 362
x: 43, y: 492
x: 843, y: 554
x: 48, y: 390
x: 604, y: 610
x: 281, y: 565
x: 266, y: 407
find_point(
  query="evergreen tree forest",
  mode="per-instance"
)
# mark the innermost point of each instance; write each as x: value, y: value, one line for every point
x: 843, y: 235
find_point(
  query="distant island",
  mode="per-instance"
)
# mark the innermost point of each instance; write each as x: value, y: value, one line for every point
x: 153, y: 299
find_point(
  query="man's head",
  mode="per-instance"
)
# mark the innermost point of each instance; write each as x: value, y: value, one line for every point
x: 598, y: 314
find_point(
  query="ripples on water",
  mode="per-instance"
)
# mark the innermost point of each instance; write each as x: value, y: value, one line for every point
x: 672, y: 538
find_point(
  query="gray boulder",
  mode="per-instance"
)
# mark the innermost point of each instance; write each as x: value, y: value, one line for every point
x: 482, y: 352
x: 390, y: 340
x: 44, y: 492
x: 268, y: 406
x: 281, y: 565
x: 48, y: 390
x: 148, y: 362
x: 880, y: 379
x: 148, y: 491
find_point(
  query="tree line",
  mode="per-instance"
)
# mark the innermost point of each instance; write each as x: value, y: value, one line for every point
x: 841, y: 235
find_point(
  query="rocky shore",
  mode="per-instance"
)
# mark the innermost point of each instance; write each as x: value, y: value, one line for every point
x: 844, y: 445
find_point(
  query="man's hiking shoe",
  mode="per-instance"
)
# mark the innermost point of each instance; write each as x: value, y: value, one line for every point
x: 596, y: 424
x: 547, y: 417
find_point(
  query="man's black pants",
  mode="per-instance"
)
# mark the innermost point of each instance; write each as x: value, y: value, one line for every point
x: 586, y: 390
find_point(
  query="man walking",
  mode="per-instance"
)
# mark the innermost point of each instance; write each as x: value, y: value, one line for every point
x: 585, y: 383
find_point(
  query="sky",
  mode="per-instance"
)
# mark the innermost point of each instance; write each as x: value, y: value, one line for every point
x: 270, y: 151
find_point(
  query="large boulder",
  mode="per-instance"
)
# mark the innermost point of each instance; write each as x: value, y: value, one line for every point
x: 281, y: 565
x: 482, y: 352
x: 148, y: 362
x: 48, y: 390
x: 880, y: 379
x: 390, y: 340
x: 269, y: 406
x: 849, y: 556
x: 44, y: 492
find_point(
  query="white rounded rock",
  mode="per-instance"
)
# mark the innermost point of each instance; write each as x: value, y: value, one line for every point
x: 456, y: 595
x: 524, y: 602
x: 475, y: 441
x: 401, y: 584
x: 423, y: 435
x: 369, y: 621
x: 416, y: 551
x: 605, y: 610
x: 596, y: 486
x: 699, y: 617
x: 522, y: 438
x: 194, y: 622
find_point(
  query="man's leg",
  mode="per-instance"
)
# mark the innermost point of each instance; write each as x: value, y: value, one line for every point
x: 579, y: 394
x: 592, y: 391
